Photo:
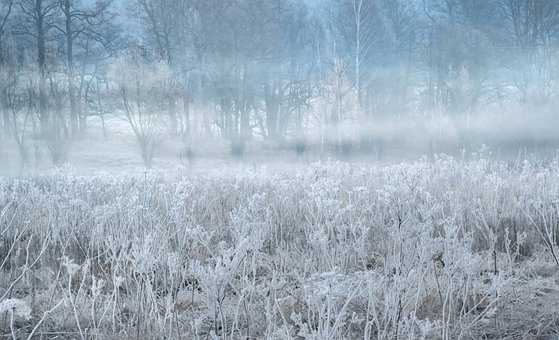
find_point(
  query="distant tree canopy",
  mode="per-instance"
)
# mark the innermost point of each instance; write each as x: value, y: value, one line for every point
x: 273, y: 70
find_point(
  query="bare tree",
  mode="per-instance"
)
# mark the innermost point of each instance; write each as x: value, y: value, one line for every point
x: 80, y: 22
x: 533, y: 28
x: 143, y: 89
x: 20, y: 104
x: 532, y: 22
x: 168, y: 24
x: 363, y: 14
x: 6, y: 9
x: 37, y: 19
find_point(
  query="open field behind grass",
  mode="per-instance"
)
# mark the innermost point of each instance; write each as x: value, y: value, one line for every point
x: 443, y: 249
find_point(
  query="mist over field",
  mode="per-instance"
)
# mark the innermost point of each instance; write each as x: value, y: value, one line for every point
x: 279, y: 169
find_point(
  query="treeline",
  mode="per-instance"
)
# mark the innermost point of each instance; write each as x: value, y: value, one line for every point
x: 336, y: 72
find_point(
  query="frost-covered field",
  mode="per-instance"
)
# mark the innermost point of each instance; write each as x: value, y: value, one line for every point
x: 442, y: 249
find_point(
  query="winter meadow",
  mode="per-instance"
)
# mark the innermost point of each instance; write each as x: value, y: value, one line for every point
x: 279, y: 169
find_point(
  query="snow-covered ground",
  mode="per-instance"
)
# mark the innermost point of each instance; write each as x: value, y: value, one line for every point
x: 443, y: 249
